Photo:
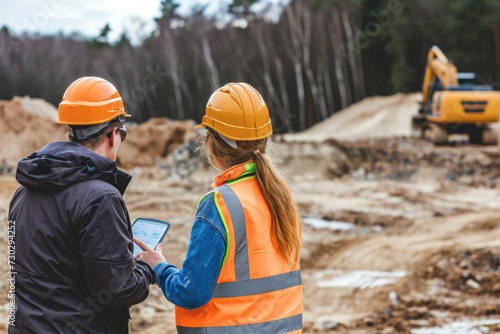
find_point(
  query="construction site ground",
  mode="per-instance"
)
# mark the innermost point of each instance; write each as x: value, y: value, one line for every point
x: 399, y: 235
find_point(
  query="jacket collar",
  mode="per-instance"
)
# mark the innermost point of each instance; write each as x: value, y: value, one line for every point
x: 234, y: 172
x: 60, y: 164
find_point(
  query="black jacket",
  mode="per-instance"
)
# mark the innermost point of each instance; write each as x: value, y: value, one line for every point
x: 74, y: 269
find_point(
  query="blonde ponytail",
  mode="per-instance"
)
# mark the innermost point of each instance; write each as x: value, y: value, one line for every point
x: 284, y: 214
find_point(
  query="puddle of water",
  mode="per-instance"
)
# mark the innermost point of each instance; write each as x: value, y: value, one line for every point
x: 362, y: 279
x: 328, y: 272
x: 334, y: 225
x: 460, y: 327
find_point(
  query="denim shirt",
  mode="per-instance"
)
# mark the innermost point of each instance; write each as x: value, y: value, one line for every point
x: 192, y: 286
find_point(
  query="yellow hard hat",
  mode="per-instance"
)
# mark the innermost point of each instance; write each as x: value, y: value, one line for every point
x: 237, y: 111
x: 90, y: 100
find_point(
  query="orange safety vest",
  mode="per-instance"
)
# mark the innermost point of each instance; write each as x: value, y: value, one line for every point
x: 257, y: 291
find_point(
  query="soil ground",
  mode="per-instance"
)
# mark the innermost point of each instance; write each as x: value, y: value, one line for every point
x: 423, y: 249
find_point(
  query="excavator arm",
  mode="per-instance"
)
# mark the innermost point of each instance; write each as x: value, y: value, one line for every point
x: 438, y: 66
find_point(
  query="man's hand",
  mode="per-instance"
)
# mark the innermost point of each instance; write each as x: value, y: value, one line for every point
x: 153, y: 257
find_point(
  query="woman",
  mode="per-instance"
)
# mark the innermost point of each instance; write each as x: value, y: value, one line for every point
x: 241, y: 273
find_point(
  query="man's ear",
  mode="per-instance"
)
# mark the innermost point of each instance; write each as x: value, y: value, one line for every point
x: 112, y: 139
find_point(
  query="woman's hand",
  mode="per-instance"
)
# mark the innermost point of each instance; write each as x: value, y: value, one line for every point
x: 153, y: 257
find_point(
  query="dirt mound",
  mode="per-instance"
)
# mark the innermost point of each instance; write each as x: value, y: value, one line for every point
x: 37, y: 106
x: 409, y: 158
x: 373, y: 117
x: 150, y: 142
x: 26, y: 125
x: 397, y: 158
x: 449, y: 284
x: 473, y: 272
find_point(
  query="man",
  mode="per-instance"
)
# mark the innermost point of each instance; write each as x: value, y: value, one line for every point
x: 74, y: 269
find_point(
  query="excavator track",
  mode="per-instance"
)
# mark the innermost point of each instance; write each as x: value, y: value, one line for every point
x: 434, y: 133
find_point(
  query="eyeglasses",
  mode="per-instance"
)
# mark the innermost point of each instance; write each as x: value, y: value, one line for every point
x: 123, y: 132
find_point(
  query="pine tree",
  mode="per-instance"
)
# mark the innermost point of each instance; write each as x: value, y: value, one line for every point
x: 168, y: 9
x: 101, y: 41
x: 473, y: 36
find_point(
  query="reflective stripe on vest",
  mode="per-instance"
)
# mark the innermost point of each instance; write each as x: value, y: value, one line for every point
x: 258, y: 285
x: 285, y: 325
x: 241, y: 266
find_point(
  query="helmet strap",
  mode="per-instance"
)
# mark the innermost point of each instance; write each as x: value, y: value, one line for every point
x: 88, y: 132
x: 92, y: 131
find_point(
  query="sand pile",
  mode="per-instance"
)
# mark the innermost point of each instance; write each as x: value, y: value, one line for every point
x: 150, y: 142
x: 38, y: 107
x: 373, y: 117
x: 27, y: 125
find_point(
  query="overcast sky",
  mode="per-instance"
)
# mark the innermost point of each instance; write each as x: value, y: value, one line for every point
x: 89, y: 16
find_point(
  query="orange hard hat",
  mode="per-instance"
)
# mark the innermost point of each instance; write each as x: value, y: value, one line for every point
x: 237, y: 111
x: 90, y: 100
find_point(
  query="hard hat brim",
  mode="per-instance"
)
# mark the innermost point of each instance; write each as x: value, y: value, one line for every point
x: 74, y: 119
x: 235, y: 132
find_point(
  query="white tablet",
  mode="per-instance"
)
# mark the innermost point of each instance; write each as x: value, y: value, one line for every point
x: 149, y: 230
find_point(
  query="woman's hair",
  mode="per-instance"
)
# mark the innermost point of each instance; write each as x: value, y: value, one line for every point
x: 284, y: 214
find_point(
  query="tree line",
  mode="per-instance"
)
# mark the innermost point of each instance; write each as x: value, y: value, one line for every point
x: 318, y: 57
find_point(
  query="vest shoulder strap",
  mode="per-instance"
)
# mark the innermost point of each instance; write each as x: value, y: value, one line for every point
x: 233, y: 204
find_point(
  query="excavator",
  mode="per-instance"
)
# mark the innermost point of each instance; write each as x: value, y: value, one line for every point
x: 452, y: 103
